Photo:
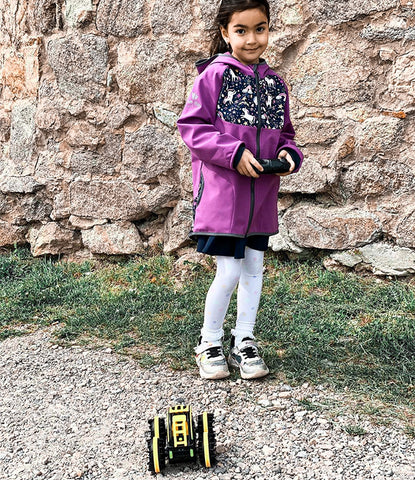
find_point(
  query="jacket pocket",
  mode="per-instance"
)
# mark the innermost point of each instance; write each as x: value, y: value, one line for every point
x: 198, y: 198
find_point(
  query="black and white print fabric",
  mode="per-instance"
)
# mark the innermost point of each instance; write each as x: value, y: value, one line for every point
x: 238, y: 100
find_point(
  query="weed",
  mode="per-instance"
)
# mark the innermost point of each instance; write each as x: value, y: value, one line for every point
x: 309, y: 405
x: 354, y: 430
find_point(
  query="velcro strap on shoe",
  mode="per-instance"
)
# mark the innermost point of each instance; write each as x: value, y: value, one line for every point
x: 206, y: 345
x: 247, y: 343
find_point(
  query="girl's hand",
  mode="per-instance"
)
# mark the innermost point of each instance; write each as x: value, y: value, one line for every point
x: 245, y: 167
x: 287, y: 156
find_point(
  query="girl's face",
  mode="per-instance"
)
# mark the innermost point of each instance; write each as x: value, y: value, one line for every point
x: 247, y: 33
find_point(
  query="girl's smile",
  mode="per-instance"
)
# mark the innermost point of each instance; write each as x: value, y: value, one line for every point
x: 247, y: 33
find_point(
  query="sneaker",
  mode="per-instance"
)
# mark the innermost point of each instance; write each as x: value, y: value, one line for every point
x: 211, y: 360
x: 245, y: 356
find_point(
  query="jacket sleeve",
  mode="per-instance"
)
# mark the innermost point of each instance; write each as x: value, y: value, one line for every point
x: 286, y: 141
x: 197, y: 123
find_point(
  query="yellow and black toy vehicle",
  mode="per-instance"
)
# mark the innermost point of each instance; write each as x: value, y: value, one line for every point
x: 179, y: 441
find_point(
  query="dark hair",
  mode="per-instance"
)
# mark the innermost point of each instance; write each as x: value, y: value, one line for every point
x: 226, y: 9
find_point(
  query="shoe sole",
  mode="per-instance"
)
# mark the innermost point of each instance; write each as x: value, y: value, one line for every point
x: 213, y: 376
x: 246, y: 376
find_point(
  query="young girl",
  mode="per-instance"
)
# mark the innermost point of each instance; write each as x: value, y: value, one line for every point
x: 236, y: 114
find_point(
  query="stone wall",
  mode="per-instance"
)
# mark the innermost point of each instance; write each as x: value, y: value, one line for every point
x: 91, y: 162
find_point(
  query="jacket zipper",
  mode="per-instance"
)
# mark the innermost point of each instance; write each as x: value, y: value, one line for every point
x: 258, y: 147
x: 198, y: 198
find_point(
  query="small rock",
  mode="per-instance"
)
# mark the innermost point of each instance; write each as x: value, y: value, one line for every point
x: 267, y: 450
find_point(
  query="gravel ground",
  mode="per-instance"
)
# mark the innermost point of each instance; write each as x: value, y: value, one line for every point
x: 70, y: 413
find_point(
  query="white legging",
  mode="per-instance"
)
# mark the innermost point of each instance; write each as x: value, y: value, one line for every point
x: 248, y: 272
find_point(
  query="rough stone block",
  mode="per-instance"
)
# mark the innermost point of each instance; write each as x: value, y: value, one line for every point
x: 124, y: 18
x: 52, y: 239
x: 404, y: 231
x: 13, y: 75
x: 398, y: 94
x: 403, y: 74
x: 291, y: 13
x: 334, y: 12
x: 76, y: 11
x: 80, y: 65
x: 149, y: 72
x: 379, y: 134
x: 113, y: 239
x: 45, y: 16
x: 48, y: 115
x: 310, y: 131
x: 152, y: 230
x: 32, y: 71
x: 19, y: 185
x: 148, y: 153
x: 101, y: 162
x: 377, y: 178
x: 160, y: 197
x: 281, y: 242
x: 185, y: 176
x: 178, y: 226
x: 36, y: 208
x: 380, y: 259
x: 11, y: 234
x: 409, y: 134
x: 23, y: 209
x: 3, y: 203
x: 113, y: 200
x: 345, y: 79
x: 83, y: 134
x: 174, y: 16
x: 313, y: 177
x: 50, y: 166
x: 335, y: 228
x: 22, y: 138
x: 208, y: 11
x: 389, y: 34
x: 166, y: 116
x: 5, y: 123
x: 118, y: 115
x: 82, y: 223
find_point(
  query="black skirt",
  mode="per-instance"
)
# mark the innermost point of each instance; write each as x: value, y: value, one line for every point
x: 230, y: 246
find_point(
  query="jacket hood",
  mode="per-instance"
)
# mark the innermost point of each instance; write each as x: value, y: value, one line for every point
x: 228, y: 59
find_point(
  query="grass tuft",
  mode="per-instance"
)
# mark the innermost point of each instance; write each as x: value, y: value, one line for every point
x: 354, y: 430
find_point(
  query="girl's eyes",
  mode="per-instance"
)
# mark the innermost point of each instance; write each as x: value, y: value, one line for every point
x: 241, y: 31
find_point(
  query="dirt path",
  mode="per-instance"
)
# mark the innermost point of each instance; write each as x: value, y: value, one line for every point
x: 70, y: 413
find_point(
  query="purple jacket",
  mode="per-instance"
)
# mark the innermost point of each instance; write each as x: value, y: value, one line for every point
x: 230, y: 107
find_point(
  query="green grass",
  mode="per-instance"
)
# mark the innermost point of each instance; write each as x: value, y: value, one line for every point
x: 340, y: 329
x: 354, y: 430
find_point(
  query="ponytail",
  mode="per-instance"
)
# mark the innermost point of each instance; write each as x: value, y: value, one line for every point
x: 218, y: 44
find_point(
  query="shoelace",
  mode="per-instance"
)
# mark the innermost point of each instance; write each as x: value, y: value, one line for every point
x: 213, y: 352
x: 249, y: 352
